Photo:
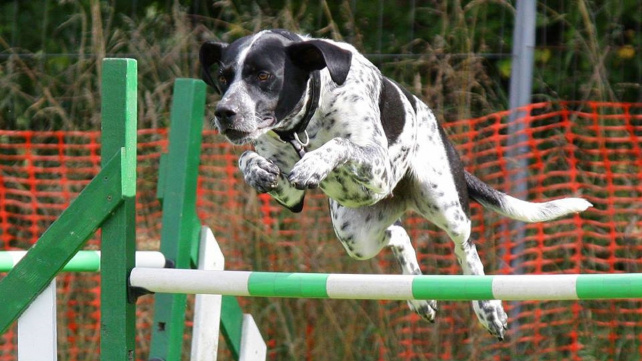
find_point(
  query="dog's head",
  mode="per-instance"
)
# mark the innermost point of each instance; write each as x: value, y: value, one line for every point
x: 263, y: 79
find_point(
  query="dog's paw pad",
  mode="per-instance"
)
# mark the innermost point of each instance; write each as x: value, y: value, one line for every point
x: 311, y: 170
x: 427, y: 310
x: 302, y: 178
x: 260, y: 173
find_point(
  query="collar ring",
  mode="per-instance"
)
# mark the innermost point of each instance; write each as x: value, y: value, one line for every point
x: 307, y: 138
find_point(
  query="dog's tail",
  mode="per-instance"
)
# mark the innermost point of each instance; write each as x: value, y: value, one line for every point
x: 518, y: 209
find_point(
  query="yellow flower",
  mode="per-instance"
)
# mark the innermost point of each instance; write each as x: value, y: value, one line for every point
x: 626, y: 52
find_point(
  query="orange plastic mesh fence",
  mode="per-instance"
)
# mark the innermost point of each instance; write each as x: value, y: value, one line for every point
x: 588, y: 149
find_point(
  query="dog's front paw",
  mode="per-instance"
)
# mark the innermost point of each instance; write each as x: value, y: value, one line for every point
x: 259, y: 173
x: 492, y: 316
x: 427, y: 310
x: 309, y: 172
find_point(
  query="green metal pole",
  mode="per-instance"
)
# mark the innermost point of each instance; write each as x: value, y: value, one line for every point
x: 181, y: 226
x: 118, y: 232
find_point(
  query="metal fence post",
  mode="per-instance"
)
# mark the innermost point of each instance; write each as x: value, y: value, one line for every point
x: 520, y: 95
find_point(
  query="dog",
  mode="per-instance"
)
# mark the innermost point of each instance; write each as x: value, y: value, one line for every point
x: 319, y: 114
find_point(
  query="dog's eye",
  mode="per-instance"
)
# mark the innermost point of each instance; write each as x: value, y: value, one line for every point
x: 222, y: 80
x: 263, y: 76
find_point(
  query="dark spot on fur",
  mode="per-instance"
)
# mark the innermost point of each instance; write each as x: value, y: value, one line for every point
x: 345, y: 225
x: 393, y: 115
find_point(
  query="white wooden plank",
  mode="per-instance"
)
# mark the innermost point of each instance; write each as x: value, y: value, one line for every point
x: 37, y: 333
x: 253, y: 348
x: 207, y: 308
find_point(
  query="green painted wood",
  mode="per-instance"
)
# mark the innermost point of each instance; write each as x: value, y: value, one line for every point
x: 61, y: 241
x: 162, y: 174
x: 177, y: 192
x: 181, y: 226
x: 232, y: 322
x: 119, y: 118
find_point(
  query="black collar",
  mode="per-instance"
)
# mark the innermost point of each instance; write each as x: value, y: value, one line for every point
x: 294, y: 136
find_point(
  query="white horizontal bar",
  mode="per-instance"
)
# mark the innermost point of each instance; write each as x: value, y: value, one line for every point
x: 550, y: 287
x: 394, y: 287
x: 191, y: 281
x: 150, y: 259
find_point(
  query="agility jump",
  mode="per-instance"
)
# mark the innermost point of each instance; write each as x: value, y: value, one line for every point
x: 108, y: 202
x: 390, y: 287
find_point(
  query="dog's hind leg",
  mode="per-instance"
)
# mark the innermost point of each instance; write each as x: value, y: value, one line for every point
x: 442, y: 198
x: 453, y: 220
x: 441, y: 204
x: 399, y: 243
x: 489, y: 312
x: 365, y: 231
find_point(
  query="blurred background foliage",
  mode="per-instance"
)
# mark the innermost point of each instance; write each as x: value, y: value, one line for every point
x: 455, y: 54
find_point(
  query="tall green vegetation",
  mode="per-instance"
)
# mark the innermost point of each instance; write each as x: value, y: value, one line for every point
x: 455, y: 54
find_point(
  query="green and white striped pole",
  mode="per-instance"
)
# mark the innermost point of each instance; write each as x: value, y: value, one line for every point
x: 84, y: 261
x: 390, y: 287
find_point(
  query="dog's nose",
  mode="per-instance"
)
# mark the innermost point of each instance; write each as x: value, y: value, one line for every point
x: 225, y: 114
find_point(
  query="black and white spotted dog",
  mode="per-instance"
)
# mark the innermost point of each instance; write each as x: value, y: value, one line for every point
x: 319, y: 114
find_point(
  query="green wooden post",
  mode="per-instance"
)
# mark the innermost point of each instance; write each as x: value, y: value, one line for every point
x: 180, y: 235
x: 61, y: 241
x: 118, y: 246
x: 232, y: 324
x: 181, y: 226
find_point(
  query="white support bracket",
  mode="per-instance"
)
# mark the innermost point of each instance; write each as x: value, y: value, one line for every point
x: 37, y: 332
x: 207, y: 313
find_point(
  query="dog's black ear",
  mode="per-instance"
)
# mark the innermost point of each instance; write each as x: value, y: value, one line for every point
x: 318, y: 54
x: 210, y: 53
